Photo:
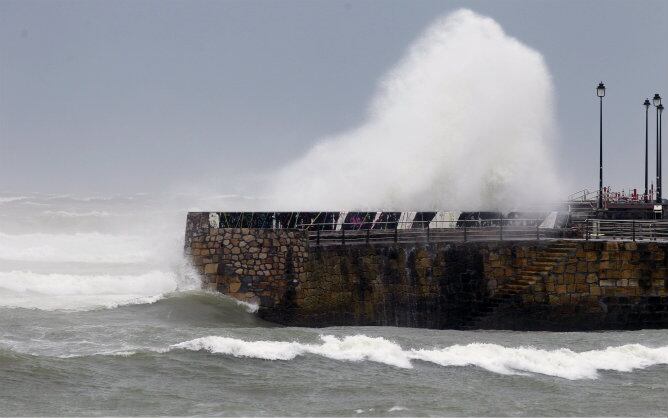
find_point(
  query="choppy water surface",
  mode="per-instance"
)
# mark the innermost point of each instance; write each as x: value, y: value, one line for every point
x: 100, y: 316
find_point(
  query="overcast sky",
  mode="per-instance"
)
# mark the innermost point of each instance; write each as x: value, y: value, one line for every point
x: 137, y: 96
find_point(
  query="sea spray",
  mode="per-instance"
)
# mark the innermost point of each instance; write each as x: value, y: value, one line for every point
x: 90, y: 247
x: 131, y: 255
x: 464, y: 121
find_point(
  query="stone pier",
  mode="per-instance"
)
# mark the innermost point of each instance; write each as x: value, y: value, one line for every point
x: 521, y: 285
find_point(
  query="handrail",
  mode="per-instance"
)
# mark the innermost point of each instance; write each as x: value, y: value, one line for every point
x: 463, y: 230
x: 610, y: 196
x: 419, y: 224
x: 626, y: 229
x: 571, y: 197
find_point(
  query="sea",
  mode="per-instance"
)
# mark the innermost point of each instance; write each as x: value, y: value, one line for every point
x: 100, y: 315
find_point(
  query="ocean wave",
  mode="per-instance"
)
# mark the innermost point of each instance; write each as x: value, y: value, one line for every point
x: 55, y: 291
x: 8, y: 199
x: 90, y: 198
x: 350, y: 348
x: 249, y: 307
x: 90, y: 247
x: 68, y: 214
x: 563, y: 362
x: 397, y: 408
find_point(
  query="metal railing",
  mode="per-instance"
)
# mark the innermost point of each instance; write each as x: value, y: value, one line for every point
x: 425, y: 231
x: 610, y: 196
x: 580, y: 196
x: 629, y: 230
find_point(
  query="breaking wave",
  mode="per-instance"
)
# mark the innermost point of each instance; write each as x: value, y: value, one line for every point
x: 68, y: 214
x: 54, y: 291
x: 8, y: 199
x: 90, y: 247
x: 495, y: 358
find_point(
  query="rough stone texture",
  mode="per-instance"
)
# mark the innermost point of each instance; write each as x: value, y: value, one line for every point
x: 528, y: 285
x: 253, y: 265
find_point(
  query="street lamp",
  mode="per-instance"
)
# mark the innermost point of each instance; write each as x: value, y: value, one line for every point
x: 657, y: 102
x: 659, y: 109
x: 646, y: 104
x: 600, y: 92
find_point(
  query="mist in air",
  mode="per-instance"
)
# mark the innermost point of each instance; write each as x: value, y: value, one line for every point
x: 465, y: 120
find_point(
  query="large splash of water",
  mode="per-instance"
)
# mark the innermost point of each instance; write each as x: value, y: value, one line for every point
x: 464, y: 121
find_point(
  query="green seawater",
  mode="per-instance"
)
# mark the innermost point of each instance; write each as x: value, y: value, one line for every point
x: 99, y: 316
x: 121, y: 362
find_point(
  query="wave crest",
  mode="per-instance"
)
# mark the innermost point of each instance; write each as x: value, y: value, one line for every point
x: 54, y: 291
x: 80, y: 247
x: 495, y: 358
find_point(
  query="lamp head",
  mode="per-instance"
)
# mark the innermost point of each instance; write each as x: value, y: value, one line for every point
x: 660, y: 108
x: 646, y: 104
x: 657, y: 100
x: 600, y: 90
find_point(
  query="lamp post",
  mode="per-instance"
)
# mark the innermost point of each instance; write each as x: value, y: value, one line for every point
x: 657, y: 102
x: 600, y: 92
x: 659, y: 109
x: 646, y: 104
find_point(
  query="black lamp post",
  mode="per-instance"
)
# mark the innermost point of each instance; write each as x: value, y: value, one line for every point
x: 646, y: 104
x: 657, y: 102
x: 600, y: 92
x: 659, y: 109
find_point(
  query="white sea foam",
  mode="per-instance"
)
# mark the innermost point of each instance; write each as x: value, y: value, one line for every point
x: 495, y: 358
x: 397, y: 408
x: 464, y: 121
x: 79, y: 247
x: 249, y: 307
x: 69, y: 214
x: 137, y: 261
x: 8, y: 199
x: 562, y: 362
x: 351, y: 348
x: 24, y: 289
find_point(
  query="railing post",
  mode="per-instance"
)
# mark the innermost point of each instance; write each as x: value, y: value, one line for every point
x: 368, y: 232
x: 537, y: 231
x: 343, y: 236
x: 317, y: 240
x: 428, y: 237
x: 633, y: 223
x: 501, y: 230
x: 464, y: 231
x: 586, y: 229
x: 396, y: 234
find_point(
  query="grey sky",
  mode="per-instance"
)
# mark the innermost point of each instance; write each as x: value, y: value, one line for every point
x: 126, y: 96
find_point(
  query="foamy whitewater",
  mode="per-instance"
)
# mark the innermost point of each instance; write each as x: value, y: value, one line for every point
x: 495, y: 358
x: 101, y: 315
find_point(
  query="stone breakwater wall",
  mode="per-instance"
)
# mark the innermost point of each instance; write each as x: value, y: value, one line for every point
x: 522, y: 285
x: 259, y: 266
